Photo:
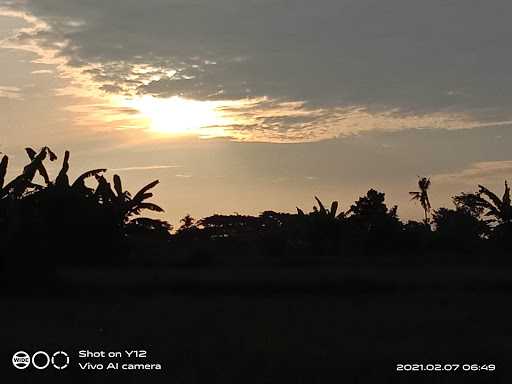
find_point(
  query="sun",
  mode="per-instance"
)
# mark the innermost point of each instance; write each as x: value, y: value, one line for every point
x: 177, y: 115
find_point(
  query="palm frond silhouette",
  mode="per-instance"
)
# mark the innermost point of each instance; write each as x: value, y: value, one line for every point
x: 422, y: 196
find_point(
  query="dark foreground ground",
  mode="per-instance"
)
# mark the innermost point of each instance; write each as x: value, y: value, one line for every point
x: 278, y: 331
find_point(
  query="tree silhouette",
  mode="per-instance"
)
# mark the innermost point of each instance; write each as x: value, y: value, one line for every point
x: 372, y: 224
x: 458, y: 228
x: 488, y: 204
x: 186, y: 223
x: 61, y: 219
x: 422, y: 196
x: 372, y: 205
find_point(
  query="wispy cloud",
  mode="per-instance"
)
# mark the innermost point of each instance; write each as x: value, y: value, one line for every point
x: 144, y: 168
x: 10, y: 92
x: 42, y: 72
x: 479, y: 172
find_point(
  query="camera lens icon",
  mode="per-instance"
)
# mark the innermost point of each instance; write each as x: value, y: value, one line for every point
x: 21, y: 360
x: 46, y: 358
x: 61, y: 355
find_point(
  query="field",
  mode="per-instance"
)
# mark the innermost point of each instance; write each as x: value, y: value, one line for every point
x: 339, y: 329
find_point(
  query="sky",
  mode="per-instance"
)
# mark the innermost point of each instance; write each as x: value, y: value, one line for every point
x: 244, y: 106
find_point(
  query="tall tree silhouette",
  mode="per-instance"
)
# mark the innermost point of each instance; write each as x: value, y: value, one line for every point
x: 422, y: 196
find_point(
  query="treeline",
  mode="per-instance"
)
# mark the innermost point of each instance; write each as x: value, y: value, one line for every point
x: 90, y: 221
x: 478, y: 228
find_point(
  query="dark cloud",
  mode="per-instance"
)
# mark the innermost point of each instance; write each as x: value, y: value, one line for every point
x: 111, y: 88
x: 412, y: 57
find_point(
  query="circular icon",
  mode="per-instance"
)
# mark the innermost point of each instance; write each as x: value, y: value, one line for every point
x: 34, y: 360
x: 21, y: 360
x: 65, y: 355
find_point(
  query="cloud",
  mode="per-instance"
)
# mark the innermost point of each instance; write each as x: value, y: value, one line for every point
x: 42, y: 72
x: 10, y: 92
x: 479, y: 172
x: 144, y: 168
x: 445, y: 63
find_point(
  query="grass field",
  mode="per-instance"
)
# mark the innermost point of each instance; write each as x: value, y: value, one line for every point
x: 329, y: 335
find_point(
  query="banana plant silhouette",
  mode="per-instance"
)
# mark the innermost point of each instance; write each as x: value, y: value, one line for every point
x: 489, y: 204
x: 123, y: 205
x: 119, y: 201
x: 19, y: 186
x: 322, y: 211
x: 78, y: 186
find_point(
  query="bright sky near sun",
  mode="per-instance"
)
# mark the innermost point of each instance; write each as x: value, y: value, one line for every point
x: 177, y: 115
x: 245, y: 106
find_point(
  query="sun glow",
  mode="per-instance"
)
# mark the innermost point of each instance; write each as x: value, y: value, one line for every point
x: 177, y: 115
